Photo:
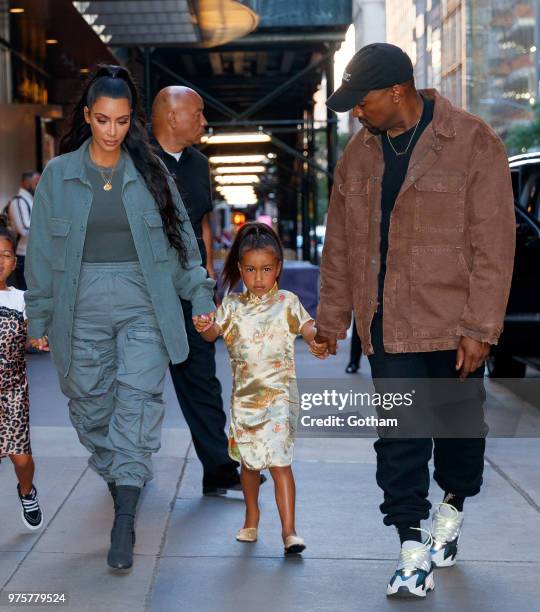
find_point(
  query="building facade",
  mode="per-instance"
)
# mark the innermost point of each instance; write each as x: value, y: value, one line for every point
x: 369, y: 20
x: 482, y: 54
x: 46, y: 49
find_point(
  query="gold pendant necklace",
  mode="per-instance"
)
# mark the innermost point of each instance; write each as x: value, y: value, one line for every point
x: 107, y: 181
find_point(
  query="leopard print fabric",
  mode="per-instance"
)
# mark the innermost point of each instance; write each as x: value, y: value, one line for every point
x: 14, y: 404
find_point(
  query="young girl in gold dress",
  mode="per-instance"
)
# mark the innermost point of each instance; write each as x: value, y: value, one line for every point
x: 259, y: 328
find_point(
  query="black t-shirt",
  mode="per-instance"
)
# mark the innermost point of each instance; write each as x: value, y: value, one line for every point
x: 192, y: 177
x: 395, y: 170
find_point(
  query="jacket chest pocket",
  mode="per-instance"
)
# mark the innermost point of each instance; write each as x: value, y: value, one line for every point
x: 356, y: 195
x: 156, y: 235
x: 440, y: 203
x: 59, y: 230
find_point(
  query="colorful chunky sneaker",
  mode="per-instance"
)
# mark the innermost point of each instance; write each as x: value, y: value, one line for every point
x: 413, y: 577
x: 445, y: 530
x: 31, y: 512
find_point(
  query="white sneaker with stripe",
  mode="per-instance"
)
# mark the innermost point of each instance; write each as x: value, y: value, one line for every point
x: 413, y: 577
x: 446, y: 528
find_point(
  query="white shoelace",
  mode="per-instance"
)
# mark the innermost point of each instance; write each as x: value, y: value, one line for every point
x: 411, y: 559
x: 445, y: 528
x: 30, y: 505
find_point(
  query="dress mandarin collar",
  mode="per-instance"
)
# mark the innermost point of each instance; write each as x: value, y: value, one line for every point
x: 251, y: 298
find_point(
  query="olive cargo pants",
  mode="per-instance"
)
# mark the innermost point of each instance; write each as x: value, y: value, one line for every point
x: 117, y: 373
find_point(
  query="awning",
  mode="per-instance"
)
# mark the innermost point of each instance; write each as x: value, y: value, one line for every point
x: 196, y: 23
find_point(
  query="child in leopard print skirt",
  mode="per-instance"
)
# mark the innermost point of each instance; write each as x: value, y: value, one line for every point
x: 14, y: 405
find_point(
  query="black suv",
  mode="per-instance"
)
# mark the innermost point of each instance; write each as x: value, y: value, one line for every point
x: 519, y: 344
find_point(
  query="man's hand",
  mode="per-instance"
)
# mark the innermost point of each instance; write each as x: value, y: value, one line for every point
x: 471, y: 354
x: 328, y: 344
x: 204, y: 321
x: 318, y: 350
x: 41, y: 344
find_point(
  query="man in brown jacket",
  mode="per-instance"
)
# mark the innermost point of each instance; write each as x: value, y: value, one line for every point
x: 420, y: 244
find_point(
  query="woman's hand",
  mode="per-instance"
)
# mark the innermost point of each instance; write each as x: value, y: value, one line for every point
x: 41, y: 344
x: 204, y: 322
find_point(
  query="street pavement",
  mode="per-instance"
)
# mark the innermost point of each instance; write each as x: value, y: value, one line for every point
x: 186, y: 556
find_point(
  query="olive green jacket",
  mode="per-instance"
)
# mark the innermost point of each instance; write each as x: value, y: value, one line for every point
x: 59, y: 217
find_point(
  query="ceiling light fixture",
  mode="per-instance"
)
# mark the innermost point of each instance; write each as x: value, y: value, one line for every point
x: 238, y: 159
x: 239, y: 169
x: 237, y: 179
x: 238, y: 193
x: 81, y: 6
x: 240, y: 138
x: 90, y: 18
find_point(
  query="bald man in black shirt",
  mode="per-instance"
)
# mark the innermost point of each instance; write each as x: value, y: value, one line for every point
x: 178, y: 123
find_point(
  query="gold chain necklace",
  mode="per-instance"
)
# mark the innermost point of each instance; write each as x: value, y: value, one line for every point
x: 107, y: 181
x: 400, y: 153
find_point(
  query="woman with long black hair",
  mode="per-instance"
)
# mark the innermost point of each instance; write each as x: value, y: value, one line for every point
x: 110, y: 250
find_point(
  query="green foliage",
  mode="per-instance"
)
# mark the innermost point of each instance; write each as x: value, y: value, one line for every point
x: 322, y: 181
x: 343, y: 139
x: 523, y: 138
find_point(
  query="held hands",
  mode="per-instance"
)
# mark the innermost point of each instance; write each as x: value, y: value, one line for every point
x: 318, y: 350
x: 41, y: 344
x: 471, y: 354
x: 204, y: 322
x: 322, y: 346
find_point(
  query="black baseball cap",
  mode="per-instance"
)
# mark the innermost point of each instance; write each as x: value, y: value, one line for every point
x: 375, y: 66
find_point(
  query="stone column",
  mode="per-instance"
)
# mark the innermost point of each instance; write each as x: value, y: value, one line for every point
x: 5, y: 57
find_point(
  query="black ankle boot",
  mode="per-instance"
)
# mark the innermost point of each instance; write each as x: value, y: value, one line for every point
x: 112, y: 489
x: 123, y: 532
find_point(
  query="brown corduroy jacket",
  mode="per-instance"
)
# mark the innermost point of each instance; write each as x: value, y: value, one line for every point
x: 451, y: 238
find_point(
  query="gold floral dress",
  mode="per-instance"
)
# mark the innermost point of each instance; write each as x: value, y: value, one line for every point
x: 259, y: 333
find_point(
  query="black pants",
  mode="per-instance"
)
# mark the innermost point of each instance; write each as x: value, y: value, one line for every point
x: 356, y: 345
x: 402, y: 463
x: 199, y: 394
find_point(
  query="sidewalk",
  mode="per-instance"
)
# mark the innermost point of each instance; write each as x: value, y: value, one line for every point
x: 188, y: 560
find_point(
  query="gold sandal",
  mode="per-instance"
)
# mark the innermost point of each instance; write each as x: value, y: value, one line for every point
x: 247, y: 534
